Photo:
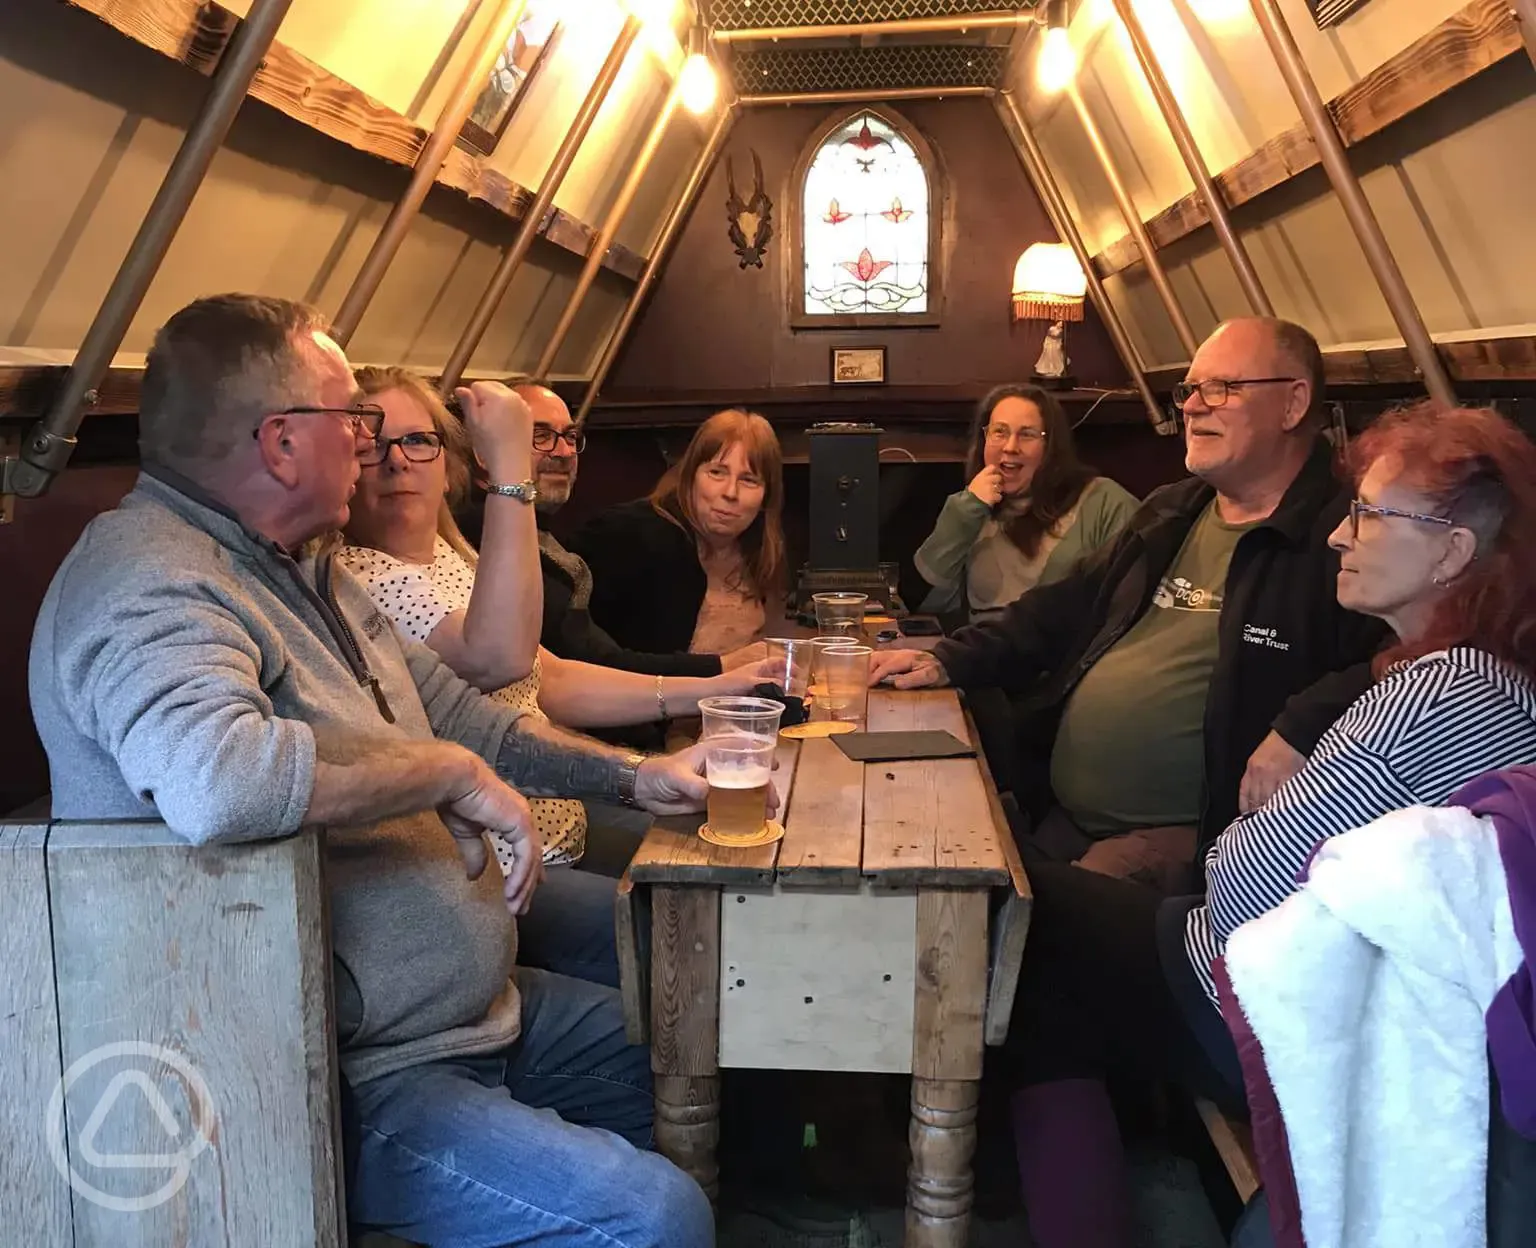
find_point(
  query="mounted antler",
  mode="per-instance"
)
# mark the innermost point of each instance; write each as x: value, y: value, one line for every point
x: 752, y: 220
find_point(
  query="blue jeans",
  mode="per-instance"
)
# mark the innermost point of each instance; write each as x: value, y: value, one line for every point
x: 569, y: 926
x: 540, y: 1143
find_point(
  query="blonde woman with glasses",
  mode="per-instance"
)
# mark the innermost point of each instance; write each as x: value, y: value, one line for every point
x: 482, y: 613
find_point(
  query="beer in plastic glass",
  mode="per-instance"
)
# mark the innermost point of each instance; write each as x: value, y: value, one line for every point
x: 740, y: 736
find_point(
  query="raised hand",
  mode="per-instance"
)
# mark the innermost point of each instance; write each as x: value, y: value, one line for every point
x: 987, y: 485
x: 501, y: 429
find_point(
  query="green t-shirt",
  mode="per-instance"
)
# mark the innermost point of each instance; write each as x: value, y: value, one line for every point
x: 1130, y: 750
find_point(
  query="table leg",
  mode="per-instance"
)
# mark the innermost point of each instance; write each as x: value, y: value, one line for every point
x: 951, y: 990
x: 940, y: 1183
x: 688, y: 1126
x: 685, y: 1027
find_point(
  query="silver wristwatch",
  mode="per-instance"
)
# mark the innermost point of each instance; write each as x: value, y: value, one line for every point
x: 524, y: 491
x: 629, y: 775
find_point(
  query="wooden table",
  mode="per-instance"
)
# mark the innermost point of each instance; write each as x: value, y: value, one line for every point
x: 883, y: 933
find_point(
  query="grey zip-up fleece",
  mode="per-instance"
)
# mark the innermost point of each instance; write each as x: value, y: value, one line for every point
x: 187, y: 669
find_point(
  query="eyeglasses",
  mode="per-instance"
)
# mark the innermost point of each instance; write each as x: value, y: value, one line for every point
x: 421, y: 447
x: 546, y: 438
x: 1002, y: 434
x: 366, y: 418
x: 1358, y: 508
x: 1215, y: 391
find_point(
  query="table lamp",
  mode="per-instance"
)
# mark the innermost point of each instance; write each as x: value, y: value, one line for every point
x: 1049, y: 285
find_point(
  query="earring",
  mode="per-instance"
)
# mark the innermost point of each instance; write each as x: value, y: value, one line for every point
x: 1438, y: 580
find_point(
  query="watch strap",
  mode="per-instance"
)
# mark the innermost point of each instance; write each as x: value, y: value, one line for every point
x: 524, y: 491
x: 629, y: 776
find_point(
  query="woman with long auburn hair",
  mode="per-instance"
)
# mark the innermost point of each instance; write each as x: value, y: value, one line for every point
x: 694, y: 565
x: 1118, y: 982
x: 1032, y: 508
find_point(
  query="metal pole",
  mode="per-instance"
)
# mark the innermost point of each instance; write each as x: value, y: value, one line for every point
x: 899, y: 26
x: 48, y: 445
x: 433, y: 156
x: 1330, y: 148
x: 533, y: 220
x: 608, y: 230
x: 1205, y: 185
x: 681, y: 210
x: 861, y: 97
x: 1133, y: 222
x: 1039, y: 173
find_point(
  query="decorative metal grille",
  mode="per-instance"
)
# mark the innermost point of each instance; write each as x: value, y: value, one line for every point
x: 735, y: 14
x: 1331, y: 12
x: 880, y: 68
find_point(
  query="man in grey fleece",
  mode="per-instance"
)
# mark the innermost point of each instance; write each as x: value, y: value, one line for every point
x: 199, y: 660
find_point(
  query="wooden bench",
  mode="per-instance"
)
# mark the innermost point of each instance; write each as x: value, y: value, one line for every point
x: 1234, y: 1145
x: 171, y: 1005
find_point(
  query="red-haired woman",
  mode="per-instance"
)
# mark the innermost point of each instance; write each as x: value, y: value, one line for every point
x: 693, y: 566
x: 1438, y: 544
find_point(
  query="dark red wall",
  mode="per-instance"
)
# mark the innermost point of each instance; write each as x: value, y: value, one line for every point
x: 713, y: 326
x: 31, y: 549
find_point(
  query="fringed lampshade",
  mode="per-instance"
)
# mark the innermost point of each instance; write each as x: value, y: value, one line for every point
x: 1048, y: 284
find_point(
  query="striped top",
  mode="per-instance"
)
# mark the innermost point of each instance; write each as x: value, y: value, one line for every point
x: 1420, y: 733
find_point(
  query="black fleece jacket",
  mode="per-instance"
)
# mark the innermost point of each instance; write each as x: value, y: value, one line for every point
x: 1289, y: 658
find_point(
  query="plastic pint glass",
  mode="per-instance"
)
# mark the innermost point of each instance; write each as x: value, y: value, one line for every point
x: 840, y: 615
x: 740, y: 737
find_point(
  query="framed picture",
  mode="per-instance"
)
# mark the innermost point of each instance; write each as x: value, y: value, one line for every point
x: 858, y: 366
x: 509, y: 80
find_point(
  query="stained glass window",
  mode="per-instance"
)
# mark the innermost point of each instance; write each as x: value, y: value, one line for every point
x: 865, y: 236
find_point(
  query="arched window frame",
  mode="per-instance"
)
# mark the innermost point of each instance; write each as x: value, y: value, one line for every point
x: 938, y: 215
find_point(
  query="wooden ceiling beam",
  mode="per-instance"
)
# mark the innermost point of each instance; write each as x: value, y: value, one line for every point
x: 1468, y: 42
x: 27, y: 389
x: 196, y: 32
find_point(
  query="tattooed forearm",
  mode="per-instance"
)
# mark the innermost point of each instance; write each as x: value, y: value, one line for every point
x: 545, y: 761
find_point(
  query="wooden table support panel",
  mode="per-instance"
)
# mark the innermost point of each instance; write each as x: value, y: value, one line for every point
x: 685, y: 1023
x: 631, y: 937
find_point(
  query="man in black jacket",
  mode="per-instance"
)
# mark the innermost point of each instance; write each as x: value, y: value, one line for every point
x: 1183, y: 674
x: 568, y: 629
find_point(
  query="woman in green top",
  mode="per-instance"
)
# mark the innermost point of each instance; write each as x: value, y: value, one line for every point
x: 1031, y: 511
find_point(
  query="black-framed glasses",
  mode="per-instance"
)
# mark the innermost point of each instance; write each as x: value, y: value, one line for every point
x: 1215, y: 391
x: 1359, y: 507
x: 1002, y: 434
x: 546, y: 438
x: 366, y: 418
x: 420, y: 447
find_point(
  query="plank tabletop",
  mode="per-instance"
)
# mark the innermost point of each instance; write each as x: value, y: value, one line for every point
x: 922, y: 822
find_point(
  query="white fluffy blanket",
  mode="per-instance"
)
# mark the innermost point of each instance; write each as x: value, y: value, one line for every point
x: 1366, y: 992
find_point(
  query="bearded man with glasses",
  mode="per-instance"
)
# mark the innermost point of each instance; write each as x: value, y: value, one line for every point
x: 1180, y: 676
x: 569, y: 630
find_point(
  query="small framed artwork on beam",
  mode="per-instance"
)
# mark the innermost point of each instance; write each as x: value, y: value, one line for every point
x: 515, y: 67
x: 858, y: 366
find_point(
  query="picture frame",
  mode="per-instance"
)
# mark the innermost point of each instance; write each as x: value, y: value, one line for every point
x: 510, y: 77
x: 858, y: 366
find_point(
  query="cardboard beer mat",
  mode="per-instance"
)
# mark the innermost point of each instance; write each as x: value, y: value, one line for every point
x: 818, y: 728
x: 772, y: 831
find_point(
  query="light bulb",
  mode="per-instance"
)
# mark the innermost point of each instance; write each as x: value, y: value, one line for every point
x: 696, y: 85
x: 1058, y: 62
